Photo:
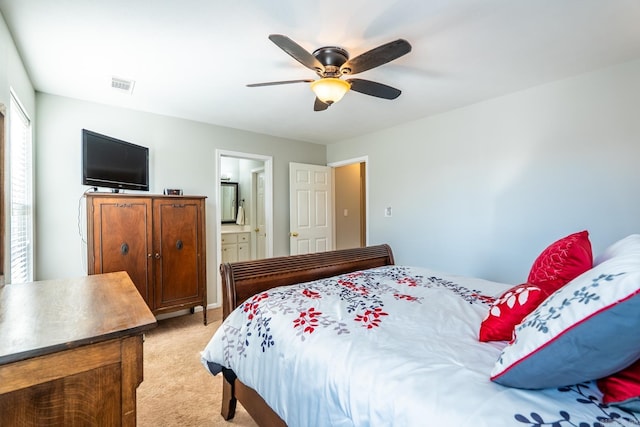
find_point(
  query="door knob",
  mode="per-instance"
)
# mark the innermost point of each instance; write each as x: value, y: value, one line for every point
x: 293, y: 234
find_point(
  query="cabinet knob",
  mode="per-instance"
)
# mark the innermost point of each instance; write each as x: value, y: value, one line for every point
x: 157, y: 255
x: 256, y: 230
x: 124, y: 249
x: 293, y: 234
x: 179, y: 244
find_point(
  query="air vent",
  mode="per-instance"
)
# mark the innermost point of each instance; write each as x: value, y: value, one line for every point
x: 123, y: 85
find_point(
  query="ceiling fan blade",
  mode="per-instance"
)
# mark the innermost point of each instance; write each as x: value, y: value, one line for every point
x: 377, y: 56
x: 284, y: 82
x: 319, y: 105
x: 297, y: 52
x: 378, y: 90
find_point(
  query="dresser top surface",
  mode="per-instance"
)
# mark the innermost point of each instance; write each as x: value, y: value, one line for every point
x: 98, y: 194
x: 44, y: 317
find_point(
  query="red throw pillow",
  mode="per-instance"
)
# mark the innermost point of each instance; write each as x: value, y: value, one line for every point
x: 562, y: 261
x: 509, y: 310
x: 622, y: 388
x: 557, y: 265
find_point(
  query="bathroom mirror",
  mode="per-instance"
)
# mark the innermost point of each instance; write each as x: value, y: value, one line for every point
x: 228, y: 202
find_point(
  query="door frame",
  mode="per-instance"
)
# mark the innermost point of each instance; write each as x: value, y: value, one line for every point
x: 365, y: 160
x: 254, y: 209
x: 268, y: 208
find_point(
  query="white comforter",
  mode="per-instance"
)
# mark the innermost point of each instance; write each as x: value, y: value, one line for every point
x: 391, y: 346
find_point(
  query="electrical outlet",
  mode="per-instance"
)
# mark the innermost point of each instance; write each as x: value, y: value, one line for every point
x: 387, y: 211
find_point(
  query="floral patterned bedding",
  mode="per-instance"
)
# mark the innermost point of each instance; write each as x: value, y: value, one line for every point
x: 390, y: 346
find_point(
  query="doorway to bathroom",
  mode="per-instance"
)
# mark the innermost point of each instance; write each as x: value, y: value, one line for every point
x: 244, y: 207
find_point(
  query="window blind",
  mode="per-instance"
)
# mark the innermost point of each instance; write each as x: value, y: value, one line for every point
x: 21, y: 197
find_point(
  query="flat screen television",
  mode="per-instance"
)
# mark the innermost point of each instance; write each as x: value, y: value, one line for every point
x: 112, y: 163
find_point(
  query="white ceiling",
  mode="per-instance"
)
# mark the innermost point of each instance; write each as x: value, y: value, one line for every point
x: 193, y: 58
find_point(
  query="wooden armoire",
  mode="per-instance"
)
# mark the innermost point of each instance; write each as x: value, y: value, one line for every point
x: 159, y: 240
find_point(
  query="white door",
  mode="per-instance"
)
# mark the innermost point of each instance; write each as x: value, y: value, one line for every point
x: 311, y: 209
x: 261, y: 228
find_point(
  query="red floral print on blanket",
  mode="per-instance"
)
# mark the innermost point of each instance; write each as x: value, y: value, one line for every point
x: 405, y: 297
x: 311, y: 294
x: 371, y: 317
x: 307, y: 320
x: 252, y: 306
x: 362, y: 290
x: 409, y: 281
x: 484, y: 298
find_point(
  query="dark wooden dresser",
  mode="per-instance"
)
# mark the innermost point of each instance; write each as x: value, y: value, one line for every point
x: 71, y: 351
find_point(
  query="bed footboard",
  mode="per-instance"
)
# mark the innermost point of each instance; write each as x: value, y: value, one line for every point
x: 242, y: 280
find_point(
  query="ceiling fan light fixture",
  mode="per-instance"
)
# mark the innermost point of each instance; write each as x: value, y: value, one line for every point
x: 330, y: 90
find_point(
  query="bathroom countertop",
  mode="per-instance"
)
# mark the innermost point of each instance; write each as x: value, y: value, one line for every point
x: 232, y: 228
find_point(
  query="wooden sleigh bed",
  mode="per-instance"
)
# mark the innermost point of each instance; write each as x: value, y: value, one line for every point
x: 242, y: 280
x: 350, y: 338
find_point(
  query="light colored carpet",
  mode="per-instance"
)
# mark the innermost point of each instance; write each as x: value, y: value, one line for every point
x: 177, y: 390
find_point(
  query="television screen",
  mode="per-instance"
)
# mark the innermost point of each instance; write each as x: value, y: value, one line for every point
x: 112, y: 163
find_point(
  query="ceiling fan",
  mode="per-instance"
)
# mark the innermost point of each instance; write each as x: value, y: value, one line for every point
x: 332, y: 62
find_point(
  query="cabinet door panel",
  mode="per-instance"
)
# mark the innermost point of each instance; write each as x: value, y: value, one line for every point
x: 243, y: 252
x: 123, y: 240
x: 230, y: 252
x: 178, y: 238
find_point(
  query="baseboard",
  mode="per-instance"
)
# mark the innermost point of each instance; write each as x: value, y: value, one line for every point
x: 186, y: 311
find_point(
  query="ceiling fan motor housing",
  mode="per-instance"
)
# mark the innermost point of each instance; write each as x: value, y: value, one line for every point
x: 332, y: 57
